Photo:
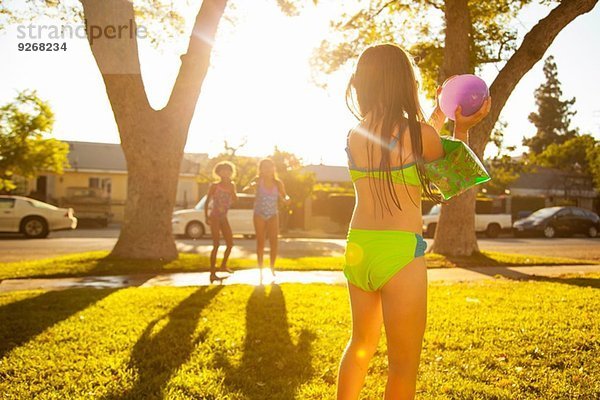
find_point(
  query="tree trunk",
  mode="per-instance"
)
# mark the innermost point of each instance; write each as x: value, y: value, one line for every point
x: 153, y: 165
x: 455, y: 232
x: 152, y: 140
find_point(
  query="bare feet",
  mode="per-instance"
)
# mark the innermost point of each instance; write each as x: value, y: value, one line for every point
x: 273, y: 271
x: 225, y: 269
x: 214, y: 277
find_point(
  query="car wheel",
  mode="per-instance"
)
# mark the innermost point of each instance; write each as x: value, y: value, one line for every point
x: 430, y: 232
x: 549, y: 232
x: 493, y: 230
x: 592, y: 232
x: 194, y: 230
x: 34, y: 227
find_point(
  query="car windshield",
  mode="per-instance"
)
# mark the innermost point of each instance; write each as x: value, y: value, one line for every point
x: 435, y: 209
x: 544, y: 213
x: 40, y: 204
x: 200, y: 205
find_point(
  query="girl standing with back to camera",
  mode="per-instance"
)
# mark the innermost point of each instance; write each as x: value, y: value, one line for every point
x: 389, y: 153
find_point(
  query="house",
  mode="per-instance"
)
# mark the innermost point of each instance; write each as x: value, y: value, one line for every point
x: 103, y: 166
x: 557, y: 187
x: 332, y: 174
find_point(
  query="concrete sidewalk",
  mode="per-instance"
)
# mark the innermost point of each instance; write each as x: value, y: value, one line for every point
x: 252, y: 277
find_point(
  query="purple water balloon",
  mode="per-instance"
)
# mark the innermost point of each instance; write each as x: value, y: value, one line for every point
x: 468, y: 91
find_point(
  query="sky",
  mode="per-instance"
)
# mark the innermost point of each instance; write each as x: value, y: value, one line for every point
x: 258, y: 89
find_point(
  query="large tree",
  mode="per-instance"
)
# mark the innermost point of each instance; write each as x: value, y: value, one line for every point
x: 553, y: 117
x: 454, y: 37
x: 25, y: 148
x: 152, y: 140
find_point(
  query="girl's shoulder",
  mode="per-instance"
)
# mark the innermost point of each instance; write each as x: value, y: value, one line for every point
x: 432, y: 143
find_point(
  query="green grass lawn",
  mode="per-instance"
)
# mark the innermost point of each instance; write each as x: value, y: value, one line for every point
x: 486, y: 340
x: 96, y: 263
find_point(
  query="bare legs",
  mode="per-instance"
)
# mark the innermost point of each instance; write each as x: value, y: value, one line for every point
x: 220, y: 225
x: 402, y: 305
x: 266, y: 229
x: 228, y: 236
x: 366, y: 330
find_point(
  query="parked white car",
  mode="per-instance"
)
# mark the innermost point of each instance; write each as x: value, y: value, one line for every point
x: 33, y: 218
x: 192, y: 224
x: 491, y: 224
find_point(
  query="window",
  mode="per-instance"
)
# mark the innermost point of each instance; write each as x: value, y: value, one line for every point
x: 94, y: 183
x: 590, y: 214
x: 40, y: 204
x: 6, y: 203
x: 244, y: 203
x: 564, y: 213
x: 578, y: 212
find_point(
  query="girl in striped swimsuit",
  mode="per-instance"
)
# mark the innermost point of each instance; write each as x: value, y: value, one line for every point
x: 220, y: 195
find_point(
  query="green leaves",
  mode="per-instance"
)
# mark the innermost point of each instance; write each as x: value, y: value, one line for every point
x: 24, y: 149
x: 553, y: 116
x: 419, y: 27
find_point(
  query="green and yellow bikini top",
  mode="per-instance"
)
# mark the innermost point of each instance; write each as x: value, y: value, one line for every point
x: 405, y: 174
x: 454, y: 173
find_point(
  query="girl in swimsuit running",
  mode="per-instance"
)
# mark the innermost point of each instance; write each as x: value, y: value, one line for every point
x: 388, y: 153
x: 220, y: 195
x: 269, y: 190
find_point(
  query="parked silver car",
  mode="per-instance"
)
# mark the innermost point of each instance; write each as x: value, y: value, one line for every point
x: 191, y: 222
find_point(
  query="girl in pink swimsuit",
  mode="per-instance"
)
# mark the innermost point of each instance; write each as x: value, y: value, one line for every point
x: 220, y: 195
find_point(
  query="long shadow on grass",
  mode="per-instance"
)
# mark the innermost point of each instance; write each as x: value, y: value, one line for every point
x: 521, y: 276
x: 23, y: 320
x: 272, y: 367
x: 157, y: 355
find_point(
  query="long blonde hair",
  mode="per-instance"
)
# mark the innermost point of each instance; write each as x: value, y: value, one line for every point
x: 384, y: 85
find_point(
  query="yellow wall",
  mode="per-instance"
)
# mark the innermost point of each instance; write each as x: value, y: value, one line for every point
x: 187, y: 189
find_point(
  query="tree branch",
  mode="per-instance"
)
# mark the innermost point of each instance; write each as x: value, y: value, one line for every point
x: 434, y: 4
x: 117, y: 56
x: 195, y: 63
x: 532, y: 49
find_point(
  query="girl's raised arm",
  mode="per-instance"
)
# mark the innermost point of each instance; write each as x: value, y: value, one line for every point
x: 437, y: 118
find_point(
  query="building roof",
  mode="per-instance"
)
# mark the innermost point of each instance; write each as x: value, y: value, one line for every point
x: 551, y: 181
x: 110, y: 157
x: 329, y: 173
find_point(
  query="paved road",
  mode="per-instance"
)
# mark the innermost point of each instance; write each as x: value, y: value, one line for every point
x: 14, y: 248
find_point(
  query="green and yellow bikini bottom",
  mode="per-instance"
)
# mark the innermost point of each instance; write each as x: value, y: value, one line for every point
x: 372, y: 257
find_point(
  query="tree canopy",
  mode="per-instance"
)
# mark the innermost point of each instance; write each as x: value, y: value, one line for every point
x: 419, y: 27
x: 25, y: 149
x: 553, y: 116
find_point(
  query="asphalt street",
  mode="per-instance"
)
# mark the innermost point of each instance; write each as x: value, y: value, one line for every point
x: 15, y: 248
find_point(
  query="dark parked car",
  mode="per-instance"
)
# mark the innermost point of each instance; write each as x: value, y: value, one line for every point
x: 554, y: 221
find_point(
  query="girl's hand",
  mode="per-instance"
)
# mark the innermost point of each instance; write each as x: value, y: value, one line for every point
x: 462, y: 123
